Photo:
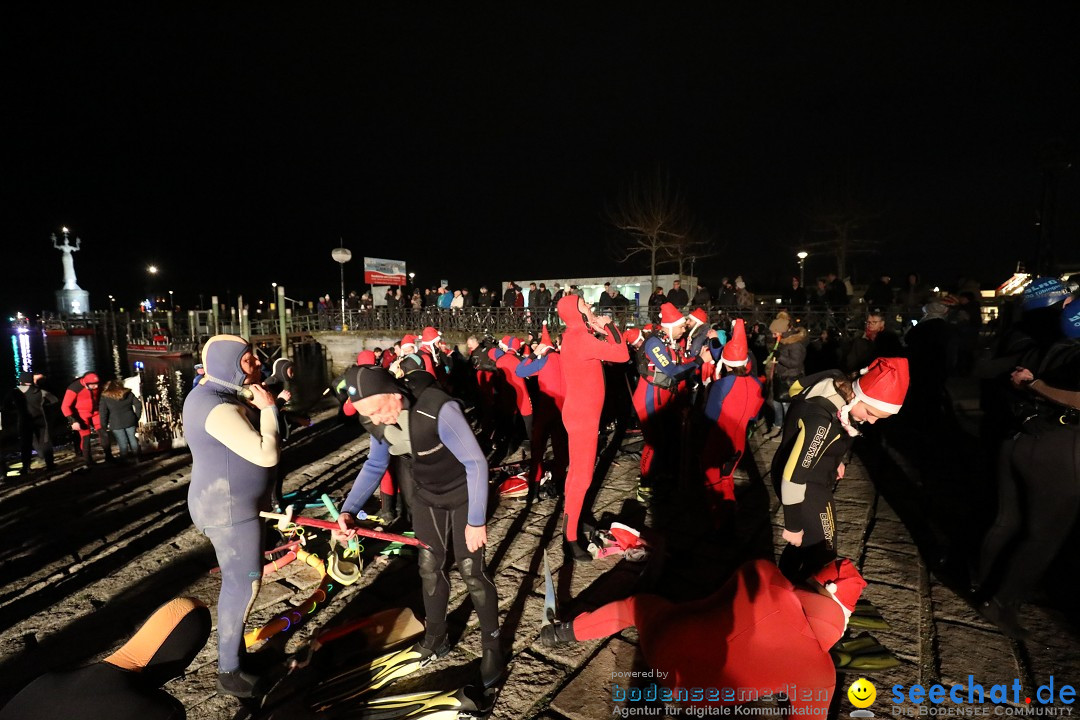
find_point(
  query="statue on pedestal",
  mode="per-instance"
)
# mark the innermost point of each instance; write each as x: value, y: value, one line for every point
x: 69, y: 263
x: 70, y: 299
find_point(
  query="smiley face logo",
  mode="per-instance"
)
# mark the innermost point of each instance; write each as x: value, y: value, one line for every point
x: 862, y: 693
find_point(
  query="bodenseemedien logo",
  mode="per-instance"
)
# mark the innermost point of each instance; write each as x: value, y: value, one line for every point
x: 862, y: 694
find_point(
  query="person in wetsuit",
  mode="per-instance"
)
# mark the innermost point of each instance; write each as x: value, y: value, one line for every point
x: 818, y: 432
x: 234, y: 449
x: 416, y: 418
x: 582, y: 356
x: 127, y: 684
x: 1038, y: 481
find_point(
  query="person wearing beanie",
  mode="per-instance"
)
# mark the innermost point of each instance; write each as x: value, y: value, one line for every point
x: 448, y: 497
x: 126, y: 685
x: 787, y: 362
x: 1038, y: 465
x: 546, y: 366
x: 734, y: 399
x: 30, y: 401
x: 759, y: 631
x: 818, y: 432
x: 661, y: 370
x: 234, y: 451
x: 80, y: 407
x: 582, y: 355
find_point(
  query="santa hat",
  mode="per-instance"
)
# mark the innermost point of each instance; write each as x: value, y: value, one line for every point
x: 647, y: 329
x: 505, y: 343
x: 633, y: 336
x: 700, y: 315
x: 365, y: 357
x: 842, y: 581
x: 409, y: 341
x: 670, y: 316
x: 736, y: 350
x: 545, y: 339
x: 430, y: 336
x: 883, y: 385
x: 514, y: 345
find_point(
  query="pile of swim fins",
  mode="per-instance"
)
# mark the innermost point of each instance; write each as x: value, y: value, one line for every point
x: 867, y: 617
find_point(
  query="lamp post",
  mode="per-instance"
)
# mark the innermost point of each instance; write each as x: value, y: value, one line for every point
x: 412, y: 277
x: 273, y: 295
x: 172, y: 306
x: 341, y: 256
x: 152, y: 271
x: 802, y: 268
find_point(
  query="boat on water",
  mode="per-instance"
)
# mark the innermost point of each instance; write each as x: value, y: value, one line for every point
x: 54, y: 328
x: 167, y: 349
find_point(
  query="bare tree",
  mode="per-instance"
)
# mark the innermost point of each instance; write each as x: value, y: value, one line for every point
x: 697, y: 243
x: 841, y: 220
x: 654, y: 221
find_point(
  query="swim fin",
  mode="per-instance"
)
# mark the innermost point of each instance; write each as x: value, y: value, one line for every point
x: 861, y: 654
x: 866, y: 616
x: 371, y: 676
x: 470, y: 701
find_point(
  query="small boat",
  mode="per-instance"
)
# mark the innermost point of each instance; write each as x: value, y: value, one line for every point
x: 54, y: 328
x: 165, y: 349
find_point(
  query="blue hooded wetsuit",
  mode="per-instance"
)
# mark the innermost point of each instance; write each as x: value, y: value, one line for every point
x: 234, y: 450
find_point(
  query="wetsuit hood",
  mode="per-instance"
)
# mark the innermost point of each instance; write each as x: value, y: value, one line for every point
x: 280, y: 371
x: 569, y: 313
x: 166, y: 643
x: 89, y: 379
x: 221, y: 360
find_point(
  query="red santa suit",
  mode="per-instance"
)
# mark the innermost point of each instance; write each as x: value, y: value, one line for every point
x: 429, y: 354
x: 582, y: 357
x: 516, y: 392
x: 757, y: 632
x: 547, y: 408
x: 734, y: 400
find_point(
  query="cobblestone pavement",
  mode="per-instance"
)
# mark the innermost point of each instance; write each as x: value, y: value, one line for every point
x: 124, y: 544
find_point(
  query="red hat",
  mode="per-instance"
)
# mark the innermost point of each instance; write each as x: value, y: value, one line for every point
x: 365, y: 357
x: 408, y: 340
x: 883, y: 385
x: 545, y: 338
x: 700, y: 315
x: 842, y: 581
x: 505, y: 342
x: 670, y: 315
x: 429, y: 336
x: 514, y: 345
x: 632, y: 335
x: 736, y: 350
x: 647, y: 328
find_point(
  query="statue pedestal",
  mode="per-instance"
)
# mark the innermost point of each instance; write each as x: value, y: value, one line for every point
x: 73, y: 302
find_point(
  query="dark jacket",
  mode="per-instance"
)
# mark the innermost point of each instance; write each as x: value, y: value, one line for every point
x: 702, y: 298
x: 119, y: 414
x: 679, y: 298
x: 879, y: 295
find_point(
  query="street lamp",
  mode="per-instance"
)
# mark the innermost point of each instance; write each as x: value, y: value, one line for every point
x: 171, y: 305
x: 411, y: 283
x: 111, y: 306
x: 273, y: 294
x: 341, y: 256
x: 802, y: 254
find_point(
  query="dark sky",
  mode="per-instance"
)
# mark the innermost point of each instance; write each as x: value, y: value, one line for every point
x: 233, y: 147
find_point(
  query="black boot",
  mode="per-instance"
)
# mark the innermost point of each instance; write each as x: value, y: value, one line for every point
x: 431, y: 648
x: 556, y: 634
x: 492, y: 666
x: 238, y: 684
x: 576, y: 550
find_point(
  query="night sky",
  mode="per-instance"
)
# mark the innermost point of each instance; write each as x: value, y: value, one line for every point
x: 232, y: 147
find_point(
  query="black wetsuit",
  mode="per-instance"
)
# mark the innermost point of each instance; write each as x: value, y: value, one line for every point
x: 804, y: 471
x: 1038, y: 485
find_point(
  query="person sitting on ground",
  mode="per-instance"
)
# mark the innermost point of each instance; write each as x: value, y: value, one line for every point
x: 127, y: 684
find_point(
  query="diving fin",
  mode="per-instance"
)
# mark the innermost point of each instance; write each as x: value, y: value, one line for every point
x: 861, y: 654
x: 867, y: 617
x: 371, y: 676
x: 470, y: 701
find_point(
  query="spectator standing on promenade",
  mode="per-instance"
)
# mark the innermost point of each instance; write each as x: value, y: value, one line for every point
x: 509, y: 298
x: 836, y: 291
x: 743, y: 297
x: 31, y: 403
x: 458, y: 301
x: 120, y: 411
x: 912, y: 296
x: 879, y: 295
x: 657, y: 299
x: 795, y: 297
x: 701, y: 297
x: 678, y: 297
x: 466, y: 298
